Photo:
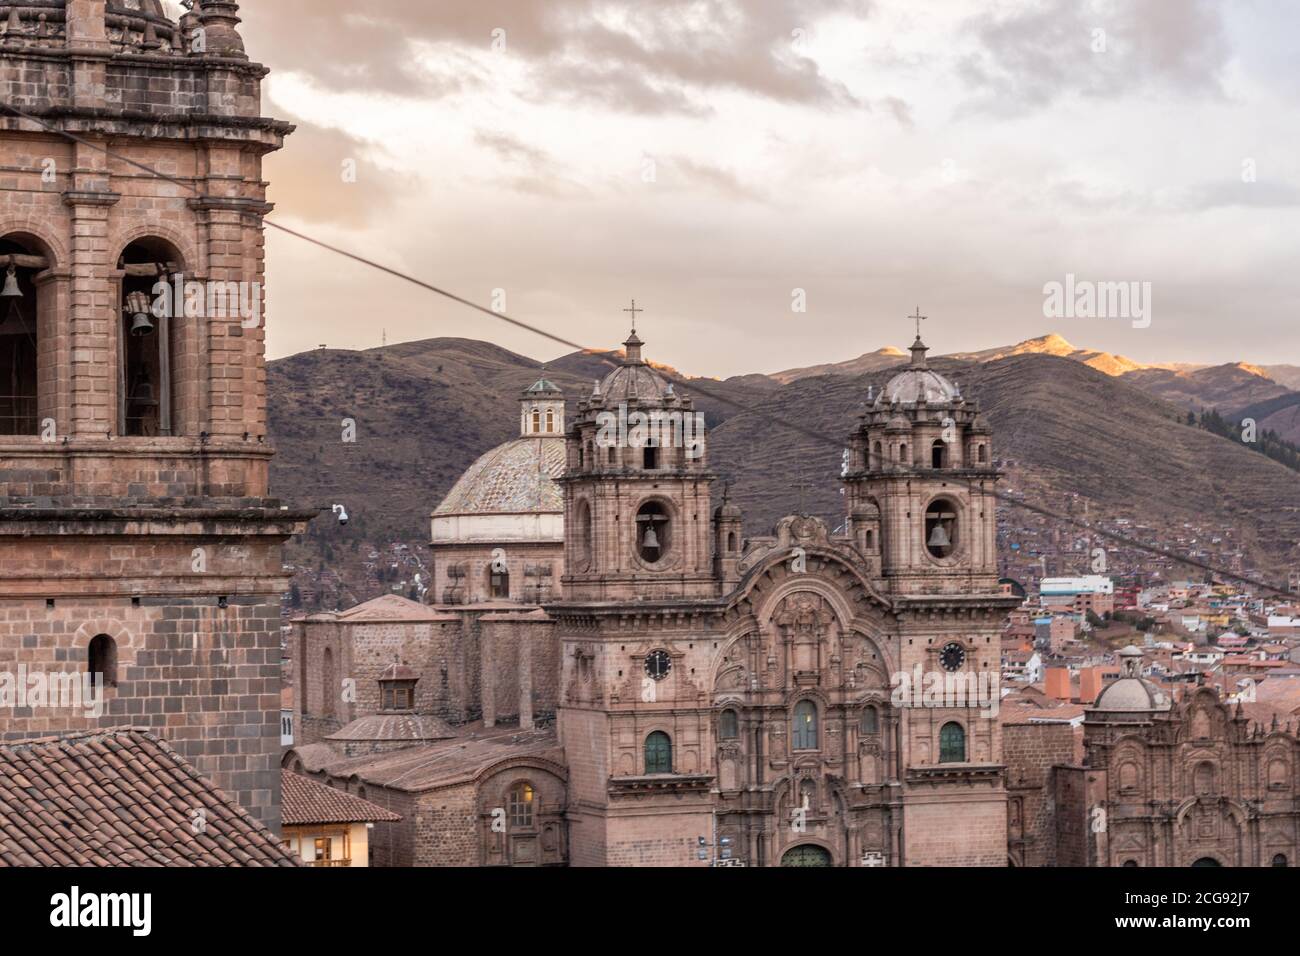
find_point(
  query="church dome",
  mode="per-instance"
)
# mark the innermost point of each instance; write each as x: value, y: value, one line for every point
x: 918, y: 382
x: 1131, y: 694
x: 515, y: 478
x: 634, y: 380
x: 915, y: 385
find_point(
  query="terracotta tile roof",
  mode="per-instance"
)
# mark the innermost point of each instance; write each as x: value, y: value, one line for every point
x: 391, y: 607
x: 442, y: 764
x: 120, y: 797
x: 306, y: 801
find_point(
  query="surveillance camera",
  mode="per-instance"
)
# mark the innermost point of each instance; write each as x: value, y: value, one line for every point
x: 342, y: 513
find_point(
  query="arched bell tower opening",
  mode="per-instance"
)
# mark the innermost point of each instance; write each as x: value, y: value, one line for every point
x: 148, y: 331
x: 27, y: 305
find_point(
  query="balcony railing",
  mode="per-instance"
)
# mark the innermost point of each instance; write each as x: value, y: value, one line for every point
x: 344, y: 862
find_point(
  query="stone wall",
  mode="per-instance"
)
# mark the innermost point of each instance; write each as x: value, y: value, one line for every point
x: 1034, y: 754
x: 168, y: 544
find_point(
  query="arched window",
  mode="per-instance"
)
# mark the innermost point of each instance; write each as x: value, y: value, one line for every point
x: 870, y: 720
x: 903, y: 456
x: 653, y: 532
x: 658, y: 753
x: 1204, y: 778
x: 981, y: 453
x: 804, y: 736
x: 727, y: 725
x: 157, y: 388
x: 939, y: 454
x: 731, y: 541
x: 952, y: 743
x: 941, y: 528
x: 102, y: 658
x: 24, y: 311
x: 537, y: 421
x: 1279, y: 859
x: 519, y: 806
x: 875, y: 455
x: 550, y: 420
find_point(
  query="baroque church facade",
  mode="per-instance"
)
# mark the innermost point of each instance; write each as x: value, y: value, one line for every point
x: 718, y: 696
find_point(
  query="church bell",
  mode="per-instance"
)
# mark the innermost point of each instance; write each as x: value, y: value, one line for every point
x: 651, y: 539
x: 939, y: 537
x: 11, y: 290
x: 137, y: 303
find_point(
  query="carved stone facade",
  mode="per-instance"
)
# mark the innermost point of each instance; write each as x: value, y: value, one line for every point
x: 1197, y: 784
x: 723, y: 698
x: 137, y: 535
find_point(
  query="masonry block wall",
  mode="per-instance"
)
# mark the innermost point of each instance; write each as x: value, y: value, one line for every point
x: 472, y: 665
x: 150, y: 535
x: 1032, y: 753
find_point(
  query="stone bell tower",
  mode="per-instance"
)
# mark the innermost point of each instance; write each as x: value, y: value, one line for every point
x: 138, y: 541
x: 637, y: 505
x: 919, y: 488
x: 639, y: 569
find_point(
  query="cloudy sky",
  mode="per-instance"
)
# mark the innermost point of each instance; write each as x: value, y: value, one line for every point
x: 710, y: 157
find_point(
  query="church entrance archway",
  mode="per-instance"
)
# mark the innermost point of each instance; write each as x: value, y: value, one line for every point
x: 1207, y: 861
x: 806, y: 855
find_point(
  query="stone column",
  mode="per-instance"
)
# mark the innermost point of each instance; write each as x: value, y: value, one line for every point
x: 95, y: 314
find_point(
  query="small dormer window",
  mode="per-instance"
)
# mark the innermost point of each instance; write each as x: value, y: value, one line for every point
x: 397, y: 688
x: 550, y: 421
x: 537, y: 421
x: 398, y: 696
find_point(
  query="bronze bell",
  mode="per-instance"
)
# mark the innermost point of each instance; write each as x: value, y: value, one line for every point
x: 11, y: 290
x: 137, y: 303
x: 651, y: 539
x: 939, y: 537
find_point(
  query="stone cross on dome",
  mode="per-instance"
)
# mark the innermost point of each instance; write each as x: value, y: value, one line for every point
x: 919, y: 348
x: 633, y: 344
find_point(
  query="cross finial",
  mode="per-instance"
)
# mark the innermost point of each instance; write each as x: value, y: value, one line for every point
x: 919, y: 319
x: 634, y: 310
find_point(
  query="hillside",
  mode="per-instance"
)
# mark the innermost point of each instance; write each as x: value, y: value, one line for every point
x: 425, y: 410
x: 1228, y: 388
x: 1074, y: 429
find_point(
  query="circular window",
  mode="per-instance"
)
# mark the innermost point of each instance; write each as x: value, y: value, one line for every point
x: 654, y: 529
x: 658, y: 664
x: 941, y: 528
